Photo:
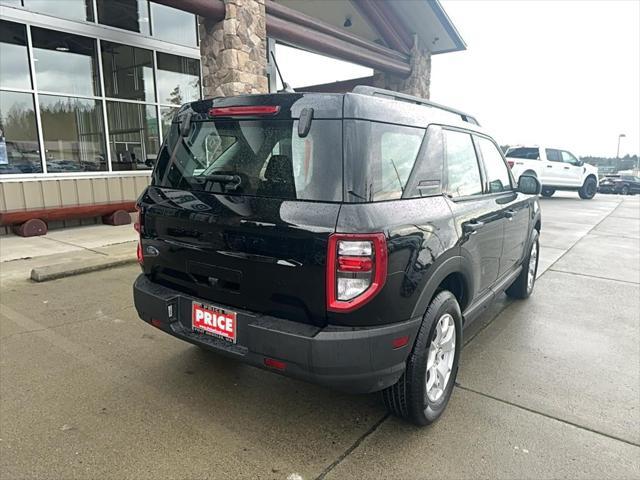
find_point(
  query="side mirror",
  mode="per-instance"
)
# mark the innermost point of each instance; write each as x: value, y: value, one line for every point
x: 529, y: 185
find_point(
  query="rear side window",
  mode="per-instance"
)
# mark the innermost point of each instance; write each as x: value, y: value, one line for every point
x: 498, y: 176
x: 528, y: 153
x: 553, y: 155
x: 264, y: 158
x: 379, y: 159
x: 463, y: 173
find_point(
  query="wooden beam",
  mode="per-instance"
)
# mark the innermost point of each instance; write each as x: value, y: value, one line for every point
x: 212, y: 9
x: 387, y: 23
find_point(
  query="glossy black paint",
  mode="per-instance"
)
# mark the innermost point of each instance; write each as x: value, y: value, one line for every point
x: 268, y: 256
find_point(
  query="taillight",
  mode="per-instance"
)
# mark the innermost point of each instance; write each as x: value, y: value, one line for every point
x: 253, y: 110
x: 356, y: 269
x: 510, y: 162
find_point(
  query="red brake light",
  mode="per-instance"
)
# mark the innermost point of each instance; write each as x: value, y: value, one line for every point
x: 244, y: 110
x: 355, y: 264
x: 139, y: 253
x: 356, y: 269
x: 138, y: 228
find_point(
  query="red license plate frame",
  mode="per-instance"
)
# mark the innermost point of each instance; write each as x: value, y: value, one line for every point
x: 215, y: 321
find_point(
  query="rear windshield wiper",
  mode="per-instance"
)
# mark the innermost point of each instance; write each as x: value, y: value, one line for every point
x: 230, y: 182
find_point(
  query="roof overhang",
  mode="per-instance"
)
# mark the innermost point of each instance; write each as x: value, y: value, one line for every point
x: 372, y: 33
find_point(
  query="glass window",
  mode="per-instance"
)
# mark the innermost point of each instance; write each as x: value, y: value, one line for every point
x: 569, y: 158
x: 379, y: 158
x: 527, y: 153
x: 11, y: 3
x: 72, y: 9
x: 173, y: 25
x: 265, y: 158
x: 65, y: 63
x: 553, y: 155
x: 19, y: 151
x: 166, y: 117
x: 497, y: 171
x: 426, y: 178
x: 130, y: 15
x: 178, y: 79
x: 462, y: 165
x: 133, y: 135
x: 73, y: 134
x: 14, y: 59
x: 128, y: 72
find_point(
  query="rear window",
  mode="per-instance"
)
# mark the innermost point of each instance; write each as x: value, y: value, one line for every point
x: 264, y: 158
x: 524, y: 152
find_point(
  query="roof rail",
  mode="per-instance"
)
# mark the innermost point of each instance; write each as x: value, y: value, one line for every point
x: 403, y: 97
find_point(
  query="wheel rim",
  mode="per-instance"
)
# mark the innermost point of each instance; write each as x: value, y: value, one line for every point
x: 533, y: 264
x: 442, y: 351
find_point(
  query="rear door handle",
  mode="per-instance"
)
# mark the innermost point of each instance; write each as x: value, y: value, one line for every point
x: 566, y: 168
x: 472, y: 227
x: 509, y: 214
x: 549, y: 166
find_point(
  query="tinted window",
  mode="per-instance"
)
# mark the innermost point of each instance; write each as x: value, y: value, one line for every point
x: 553, y: 155
x: 19, y: 151
x: 263, y: 158
x: 14, y: 62
x: 126, y: 14
x: 569, y: 158
x: 133, y: 135
x: 72, y: 9
x: 65, y: 63
x: 524, y: 152
x: 463, y: 173
x: 497, y: 171
x: 73, y: 134
x: 426, y: 177
x: 128, y: 72
x: 178, y: 79
x: 379, y: 158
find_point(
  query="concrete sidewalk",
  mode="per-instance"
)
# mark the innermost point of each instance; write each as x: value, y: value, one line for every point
x: 68, y: 248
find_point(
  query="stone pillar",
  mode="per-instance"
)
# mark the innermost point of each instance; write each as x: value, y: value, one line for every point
x: 418, y: 82
x: 234, y: 50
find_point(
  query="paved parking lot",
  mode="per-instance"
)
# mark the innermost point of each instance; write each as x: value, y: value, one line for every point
x: 548, y: 388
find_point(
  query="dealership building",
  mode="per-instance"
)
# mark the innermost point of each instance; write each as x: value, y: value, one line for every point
x: 88, y: 87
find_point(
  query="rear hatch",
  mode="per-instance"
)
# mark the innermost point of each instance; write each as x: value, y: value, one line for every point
x: 242, y: 201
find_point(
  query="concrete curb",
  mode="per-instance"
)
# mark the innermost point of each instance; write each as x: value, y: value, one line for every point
x: 68, y: 269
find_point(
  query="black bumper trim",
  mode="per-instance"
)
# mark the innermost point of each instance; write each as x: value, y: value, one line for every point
x: 356, y: 360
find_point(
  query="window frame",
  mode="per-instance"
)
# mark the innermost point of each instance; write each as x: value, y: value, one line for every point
x: 445, y: 186
x: 97, y: 32
x: 486, y: 186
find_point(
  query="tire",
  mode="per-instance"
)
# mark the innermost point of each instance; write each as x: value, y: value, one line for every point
x: 547, y: 192
x: 409, y: 398
x: 521, y: 287
x: 588, y: 189
x: 625, y: 190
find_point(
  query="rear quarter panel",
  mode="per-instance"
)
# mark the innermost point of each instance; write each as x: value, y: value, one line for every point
x: 420, y: 236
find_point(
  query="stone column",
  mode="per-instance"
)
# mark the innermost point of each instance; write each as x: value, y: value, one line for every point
x: 418, y: 82
x: 234, y: 50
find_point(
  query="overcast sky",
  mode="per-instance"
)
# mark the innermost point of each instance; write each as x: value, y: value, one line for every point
x: 563, y: 73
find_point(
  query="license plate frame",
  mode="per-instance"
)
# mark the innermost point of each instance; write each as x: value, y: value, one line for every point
x: 214, y: 321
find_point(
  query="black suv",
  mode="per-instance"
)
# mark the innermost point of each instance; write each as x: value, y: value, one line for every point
x: 345, y: 239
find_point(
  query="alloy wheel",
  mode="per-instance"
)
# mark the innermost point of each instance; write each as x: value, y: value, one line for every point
x: 440, y: 356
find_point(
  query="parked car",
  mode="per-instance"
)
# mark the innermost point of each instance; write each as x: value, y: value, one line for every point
x: 622, y: 184
x: 344, y: 239
x: 555, y: 168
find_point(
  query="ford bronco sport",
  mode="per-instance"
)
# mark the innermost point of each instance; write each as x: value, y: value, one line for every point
x: 345, y: 239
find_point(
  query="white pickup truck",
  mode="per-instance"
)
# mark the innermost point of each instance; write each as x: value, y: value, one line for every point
x: 556, y: 169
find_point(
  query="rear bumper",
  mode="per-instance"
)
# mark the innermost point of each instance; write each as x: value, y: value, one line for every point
x: 355, y: 360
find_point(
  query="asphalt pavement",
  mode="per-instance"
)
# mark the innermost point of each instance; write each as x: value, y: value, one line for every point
x: 547, y: 388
